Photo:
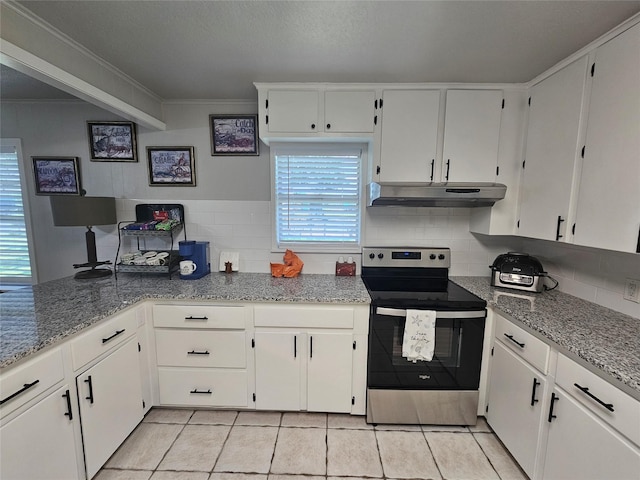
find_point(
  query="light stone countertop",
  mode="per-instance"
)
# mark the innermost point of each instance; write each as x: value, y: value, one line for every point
x: 603, y: 340
x: 35, y: 317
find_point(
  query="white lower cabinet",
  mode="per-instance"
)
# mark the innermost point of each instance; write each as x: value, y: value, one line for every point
x: 110, y: 399
x: 40, y: 442
x: 515, y: 410
x: 560, y: 424
x: 304, y: 371
x: 582, y: 446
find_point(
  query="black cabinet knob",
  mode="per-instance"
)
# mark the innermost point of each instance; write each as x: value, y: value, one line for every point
x: 380, y: 256
x: 441, y: 256
x: 328, y: 126
x: 372, y: 256
x: 432, y: 256
x: 313, y: 126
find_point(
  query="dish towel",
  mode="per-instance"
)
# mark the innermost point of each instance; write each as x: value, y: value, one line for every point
x: 419, y: 335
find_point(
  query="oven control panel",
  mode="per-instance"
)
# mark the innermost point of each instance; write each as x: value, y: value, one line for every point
x: 406, y: 257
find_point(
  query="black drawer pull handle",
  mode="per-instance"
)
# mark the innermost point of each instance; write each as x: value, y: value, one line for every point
x: 462, y: 190
x: 24, y: 388
x: 510, y: 337
x: 118, y: 332
x: 193, y: 352
x: 585, y: 390
x: 201, y: 392
x: 90, y: 397
x: 554, y: 399
x: 534, y: 400
x: 68, y: 412
x: 311, y: 346
x: 191, y: 317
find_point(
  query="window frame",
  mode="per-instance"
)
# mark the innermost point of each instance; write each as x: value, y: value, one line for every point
x: 304, y: 148
x: 9, y: 283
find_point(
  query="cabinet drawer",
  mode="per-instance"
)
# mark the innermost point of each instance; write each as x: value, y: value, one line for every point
x: 25, y: 382
x: 530, y: 348
x: 185, y: 348
x: 625, y: 416
x: 199, y: 316
x: 303, y: 316
x: 102, y: 338
x: 203, y: 386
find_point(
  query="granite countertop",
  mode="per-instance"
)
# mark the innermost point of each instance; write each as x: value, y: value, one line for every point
x: 600, y: 337
x: 33, y: 318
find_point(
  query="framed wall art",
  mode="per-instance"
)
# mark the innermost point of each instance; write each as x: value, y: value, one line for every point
x: 56, y: 175
x: 234, y: 134
x: 171, y: 166
x: 112, y: 141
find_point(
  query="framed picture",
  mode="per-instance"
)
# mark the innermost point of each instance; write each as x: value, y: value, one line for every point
x: 234, y: 134
x: 56, y: 175
x: 112, y: 141
x: 171, y: 166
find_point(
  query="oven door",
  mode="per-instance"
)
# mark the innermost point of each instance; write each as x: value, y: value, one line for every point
x: 457, y: 352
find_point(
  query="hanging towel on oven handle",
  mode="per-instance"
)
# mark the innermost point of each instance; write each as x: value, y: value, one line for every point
x: 419, y: 335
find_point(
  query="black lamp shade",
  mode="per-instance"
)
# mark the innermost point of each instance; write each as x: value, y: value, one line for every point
x: 72, y: 211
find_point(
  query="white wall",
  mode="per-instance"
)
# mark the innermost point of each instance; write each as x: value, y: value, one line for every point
x: 230, y: 206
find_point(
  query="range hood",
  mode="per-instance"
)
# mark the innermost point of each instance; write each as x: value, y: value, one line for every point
x: 435, y: 194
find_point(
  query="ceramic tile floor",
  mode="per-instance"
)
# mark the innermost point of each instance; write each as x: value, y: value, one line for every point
x: 172, y: 444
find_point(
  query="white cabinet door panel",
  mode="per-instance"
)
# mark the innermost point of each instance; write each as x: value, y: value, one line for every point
x: 329, y: 372
x: 349, y: 111
x: 471, y: 135
x: 552, y: 146
x: 294, y: 111
x: 581, y: 446
x: 409, y: 135
x: 39, y: 443
x: 608, y: 211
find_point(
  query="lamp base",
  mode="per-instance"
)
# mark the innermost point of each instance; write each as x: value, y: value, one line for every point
x: 93, y: 273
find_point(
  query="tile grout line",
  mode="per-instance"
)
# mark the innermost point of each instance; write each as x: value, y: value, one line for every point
x: 223, y: 444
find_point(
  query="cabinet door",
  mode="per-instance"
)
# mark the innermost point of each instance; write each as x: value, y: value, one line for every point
x: 581, y: 446
x: 110, y: 399
x: 515, y: 405
x: 409, y: 135
x: 552, y: 146
x: 329, y: 372
x: 293, y: 111
x: 471, y: 135
x: 349, y: 111
x: 279, y: 360
x: 39, y: 443
x: 608, y: 211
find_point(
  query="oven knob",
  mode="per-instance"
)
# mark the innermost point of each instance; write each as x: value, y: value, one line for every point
x: 432, y: 256
x: 380, y: 256
x: 372, y: 256
x: 441, y: 256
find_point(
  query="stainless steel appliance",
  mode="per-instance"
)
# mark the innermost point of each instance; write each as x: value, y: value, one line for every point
x: 444, y: 390
x: 519, y: 271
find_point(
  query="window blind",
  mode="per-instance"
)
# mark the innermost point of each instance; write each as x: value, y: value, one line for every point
x: 14, y: 247
x: 317, y: 198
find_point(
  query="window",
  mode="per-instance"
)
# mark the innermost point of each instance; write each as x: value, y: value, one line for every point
x: 15, y: 264
x: 317, y: 197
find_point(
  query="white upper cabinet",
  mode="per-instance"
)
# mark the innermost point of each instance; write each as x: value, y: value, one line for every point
x: 293, y: 111
x: 471, y: 135
x: 315, y: 112
x: 555, y: 107
x: 608, y: 209
x: 409, y: 135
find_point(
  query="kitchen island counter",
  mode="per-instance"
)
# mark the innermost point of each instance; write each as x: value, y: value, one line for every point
x: 36, y: 317
x: 603, y: 340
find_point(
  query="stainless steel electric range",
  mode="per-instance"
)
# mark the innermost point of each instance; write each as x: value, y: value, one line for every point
x: 441, y: 391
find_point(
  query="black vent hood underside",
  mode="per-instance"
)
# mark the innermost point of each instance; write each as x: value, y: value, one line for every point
x: 435, y: 194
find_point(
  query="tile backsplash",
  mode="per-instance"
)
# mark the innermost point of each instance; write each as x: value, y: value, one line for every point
x: 245, y: 227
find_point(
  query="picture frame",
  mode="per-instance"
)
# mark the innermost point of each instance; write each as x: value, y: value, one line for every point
x: 57, y: 175
x: 234, y: 134
x: 112, y: 141
x: 171, y: 166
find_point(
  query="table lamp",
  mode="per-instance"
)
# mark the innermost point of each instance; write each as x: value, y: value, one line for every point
x: 72, y: 211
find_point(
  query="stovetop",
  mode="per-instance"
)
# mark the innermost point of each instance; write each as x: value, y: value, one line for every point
x: 414, y: 277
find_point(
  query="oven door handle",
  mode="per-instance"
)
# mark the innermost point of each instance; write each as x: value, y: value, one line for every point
x: 401, y: 312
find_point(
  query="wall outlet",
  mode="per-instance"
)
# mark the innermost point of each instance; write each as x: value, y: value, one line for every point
x: 632, y: 290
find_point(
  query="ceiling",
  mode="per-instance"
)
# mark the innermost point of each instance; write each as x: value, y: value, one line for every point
x: 217, y: 49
